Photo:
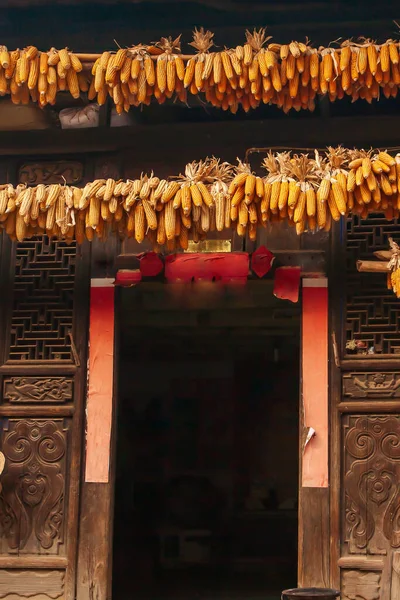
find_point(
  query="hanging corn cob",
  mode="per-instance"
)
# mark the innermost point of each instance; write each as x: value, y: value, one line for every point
x: 307, y: 192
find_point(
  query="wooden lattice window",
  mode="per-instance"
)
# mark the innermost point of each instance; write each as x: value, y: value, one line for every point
x: 42, y: 311
x: 372, y: 311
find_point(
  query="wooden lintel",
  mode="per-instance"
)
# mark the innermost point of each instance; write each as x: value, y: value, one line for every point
x: 372, y: 266
x: 383, y: 254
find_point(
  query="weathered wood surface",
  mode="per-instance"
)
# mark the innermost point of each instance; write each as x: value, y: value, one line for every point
x: 314, y: 537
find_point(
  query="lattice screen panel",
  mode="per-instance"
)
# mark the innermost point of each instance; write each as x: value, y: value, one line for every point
x: 42, y: 313
x: 372, y: 311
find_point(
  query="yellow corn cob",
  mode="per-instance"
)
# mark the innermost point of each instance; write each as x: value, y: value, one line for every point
x: 294, y: 193
x: 311, y: 202
x: 75, y: 63
x: 198, y: 74
x: 65, y: 60
x: 238, y: 196
x: 205, y: 218
x: 362, y: 60
x: 140, y: 223
x: 250, y: 187
x: 189, y: 72
x: 354, y: 66
x: 205, y: 194
x: 259, y: 187
x: 4, y: 57
x: 372, y: 58
x: 9, y: 71
x: 345, y: 56
x: 20, y: 227
x: 170, y: 191
x: 171, y: 75
x: 239, y: 179
x: 324, y: 189
x: 150, y: 213
x: 384, y: 58
x: 33, y: 73
x: 275, y: 193
x: 380, y: 167
x: 334, y: 211
x: 219, y: 211
x: 187, y: 195
x: 196, y: 195
x: 385, y: 158
x: 73, y: 84
x: 207, y: 66
x: 149, y: 71
x: 283, y: 195
x: 247, y: 54
x: 217, y: 68
x: 300, y: 209
x: 371, y: 182
x: 243, y: 215
x: 351, y: 180
x: 60, y: 210
x: 94, y: 212
x: 365, y: 193
x: 276, y: 78
x: 51, y: 217
x: 321, y: 213
x: 22, y: 68
x: 340, y: 197
x: 385, y: 185
x: 366, y: 168
x: 227, y: 65
x: 179, y: 67
x: 170, y: 221
x: 393, y: 53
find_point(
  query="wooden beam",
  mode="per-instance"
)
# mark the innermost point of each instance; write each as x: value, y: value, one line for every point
x: 227, y: 139
x: 372, y: 266
x: 384, y: 254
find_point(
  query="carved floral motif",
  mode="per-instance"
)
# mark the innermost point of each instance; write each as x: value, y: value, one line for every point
x: 371, y: 484
x: 32, y: 501
x: 371, y: 385
x: 24, y: 390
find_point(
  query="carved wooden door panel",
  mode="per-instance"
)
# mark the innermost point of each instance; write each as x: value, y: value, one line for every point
x: 42, y: 382
x: 369, y: 414
x: 371, y: 506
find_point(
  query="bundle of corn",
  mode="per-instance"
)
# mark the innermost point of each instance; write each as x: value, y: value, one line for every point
x: 221, y: 174
x: 246, y: 193
x: 304, y: 210
x: 131, y: 77
x: 27, y: 211
x: 30, y: 75
x: 199, y: 68
x: 367, y: 68
x: 374, y: 180
x: 393, y: 278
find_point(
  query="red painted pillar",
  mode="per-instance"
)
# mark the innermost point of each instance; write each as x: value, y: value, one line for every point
x: 100, y: 381
x: 315, y: 382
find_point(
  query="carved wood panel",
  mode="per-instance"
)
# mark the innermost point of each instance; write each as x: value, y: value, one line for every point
x: 63, y: 171
x: 36, y: 585
x: 372, y: 311
x: 371, y: 490
x: 32, y: 502
x: 42, y: 314
x: 361, y: 585
x: 37, y: 390
x: 372, y: 386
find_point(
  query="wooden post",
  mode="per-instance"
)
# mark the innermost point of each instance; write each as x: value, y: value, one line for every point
x: 314, y: 495
x: 96, y: 521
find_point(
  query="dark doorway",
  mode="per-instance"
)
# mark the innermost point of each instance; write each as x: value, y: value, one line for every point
x: 207, y: 450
